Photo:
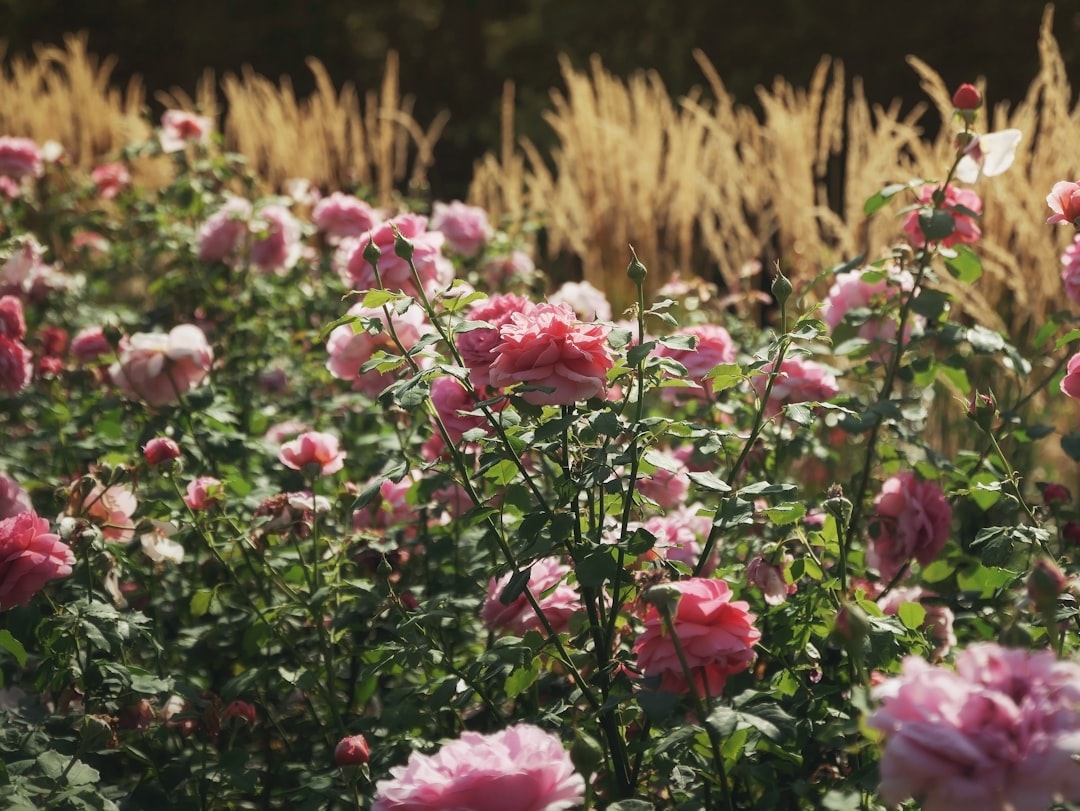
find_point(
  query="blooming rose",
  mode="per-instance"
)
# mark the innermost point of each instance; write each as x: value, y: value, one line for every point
x: 477, y: 345
x: 668, y: 485
x: 178, y: 128
x: 112, y: 507
x: 717, y: 637
x: 498, y: 271
x: 547, y: 346
x: 313, y: 448
x: 16, y: 366
x: 912, y: 520
x: 222, y: 236
x: 349, y: 350
x: 277, y: 247
x: 851, y: 292
x: 30, y: 556
x: 1000, y: 733
x: 558, y: 600
x: 13, y: 499
x: 434, y: 269
x: 110, y: 179
x: 1064, y: 201
x: 343, y: 215
x: 352, y: 751
x: 453, y: 402
x: 799, y: 381
x: 466, y: 227
x: 712, y: 346
x: 19, y: 158
x: 158, y: 368
x: 679, y: 537
x: 12, y: 318
x: 202, y: 492
x: 521, y: 768
x: 90, y: 344
x: 768, y: 577
x: 588, y: 302
x: 159, y: 545
x: 1070, y: 270
x: 391, y: 509
x: 965, y: 228
x: 1070, y: 384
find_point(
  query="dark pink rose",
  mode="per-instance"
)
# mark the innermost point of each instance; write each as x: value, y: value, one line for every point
x: 30, y: 556
x: 179, y: 128
x: 89, y: 345
x: 680, y: 535
x: 223, y: 235
x: 161, y: 449
x: 522, y: 768
x: 717, y: 636
x: 158, y: 368
x: 241, y: 710
x: 12, y: 319
x: 110, y: 179
x: 20, y: 158
x: 547, y: 346
x: 202, y: 492
x: 477, y: 345
x: 1070, y: 384
x: 1064, y: 201
x: 800, y: 381
x: 316, y: 449
x: 352, y: 751
x: 16, y: 366
x: 276, y: 234
x: 342, y: 215
x: 435, y: 270
x: 965, y: 227
x: 453, y: 402
x: 912, y: 521
x: 547, y: 582
x: 466, y: 228
x: 967, y: 97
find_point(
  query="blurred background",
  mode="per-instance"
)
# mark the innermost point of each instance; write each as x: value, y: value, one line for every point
x: 456, y: 54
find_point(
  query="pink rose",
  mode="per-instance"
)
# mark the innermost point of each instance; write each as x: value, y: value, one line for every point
x: 768, y: 577
x: 12, y: 319
x: 202, y: 492
x: 20, y: 158
x: 343, y: 215
x: 668, y: 485
x: 9, y: 188
x: 559, y: 602
x: 392, y: 508
x: 521, y: 768
x: 313, y: 448
x: 30, y: 556
x: 112, y: 507
x: 587, y: 301
x: 679, y: 536
x: 498, y: 271
x: 1000, y: 732
x: 717, y: 636
x: 13, y: 499
x: 159, y: 368
x: 179, y: 128
x: 453, y: 402
x: 352, y: 751
x: 967, y: 97
x: 466, y: 228
x: 548, y: 347
x: 477, y: 345
x: 1070, y: 384
x: 89, y: 345
x: 799, y: 381
x: 222, y: 236
x: 16, y: 366
x: 712, y: 346
x: 160, y: 449
x: 912, y: 521
x: 850, y: 292
x: 434, y: 269
x: 350, y: 346
x: 277, y: 246
x: 965, y: 227
x: 110, y: 179
x: 1070, y: 270
x: 1064, y: 201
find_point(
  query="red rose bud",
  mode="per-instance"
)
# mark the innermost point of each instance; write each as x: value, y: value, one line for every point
x: 352, y: 751
x: 967, y: 97
x: 159, y: 450
x: 1054, y: 493
x: 242, y: 710
x: 1045, y: 584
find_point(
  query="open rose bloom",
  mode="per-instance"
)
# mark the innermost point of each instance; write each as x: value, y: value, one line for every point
x: 30, y: 556
x: 912, y: 522
x: 547, y: 582
x: 159, y: 368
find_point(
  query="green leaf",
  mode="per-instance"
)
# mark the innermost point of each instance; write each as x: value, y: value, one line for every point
x: 1067, y: 338
x: 930, y: 304
x: 984, y: 489
x: 787, y: 513
x: 724, y: 376
x: 520, y: 680
x: 631, y: 805
x: 965, y: 265
x: 912, y: 615
x: 709, y: 481
x: 935, y: 224
x: 985, y: 340
x: 516, y: 587
x: 1070, y: 443
x: 13, y: 646
x: 200, y: 602
x: 877, y: 201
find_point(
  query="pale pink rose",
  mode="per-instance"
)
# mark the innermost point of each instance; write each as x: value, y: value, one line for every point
x: 521, y: 768
x: 668, y: 485
x: 477, y: 345
x: 90, y: 242
x: 435, y: 271
x: 160, y: 449
x: 159, y: 368
x: 939, y: 620
x: 717, y: 636
x: 587, y: 301
x: 22, y: 266
x: 1070, y: 270
x: 12, y: 318
x: 13, y: 499
x: 112, y: 507
x: 202, y: 492
x: 453, y: 402
x: 466, y: 227
x: 768, y: 577
x: 222, y: 236
x: 1064, y: 201
x: 178, y: 129
x: 965, y: 227
x: 499, y: 271
x: 350, y: 346
x: 316, y: 449
x: 712, y: 346
x: 89, y: 345
x: 20, y: 158
x: 277, y: 239
x: 110, y: 179
x: 800, y: 381
x: 1001, y: 733
x: 680, y: 535
x: 547, y: 346
x: 850, y: 292
x: 30, y: 556
x: 912, y: 521
x: 547, y: 581
x: 16, y: 366
x: 343, y: 215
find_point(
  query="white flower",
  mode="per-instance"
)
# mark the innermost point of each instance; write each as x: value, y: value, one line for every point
x: 989, y: 155
x: 159, y: 547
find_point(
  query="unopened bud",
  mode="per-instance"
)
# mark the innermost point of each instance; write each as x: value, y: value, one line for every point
x: 403, y: 248
x: 982, y: 410
x: 665, y: 597
x: 852, y: 624
x: 781, y: 287
x: 967, y: 97
x: 352, y: 751
x: 371, y: 253
x: 636, y: 271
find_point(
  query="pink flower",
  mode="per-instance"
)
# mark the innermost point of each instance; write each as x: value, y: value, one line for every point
x: 159, y: 368
x: 9, y: 188
x: 342, y: 215
x: 161, y: 449
x: 1070, y: 384
x: 799, y: 381
x: 89, y: 345
x: 717, y: 636
x: 939, y: 620
x: 588, y: 302
x: 277, y: 247
x: 316, y: 449
x: 477, y: 345
x: 712, y: 346
x: 179, y: 128
x: 392, y: 508
x: 434, y: 269
x: 497, y: 271
x: 912, y: 521
x: 221, y: 237
x: 241, y: 710
x: 679, y: 537
x: 13, y: 499
x: 851, y: 292
x: 668, y: 485
x: 1001, y: 733
x: 967, y: 97
x: 203, y: 492
x: 1064, y: 201
x: 1070, y: 270
x: 30, y: 556
x: 453, y: 402
x: 16, y: 367
x: 548, y: 347
x: 110, y: 179
x: 466, y: 228
x: 965, y: 227
x: 768, y: 578
x: 112, y: 507
x: 20, y: 158
x: 12, y: 319
x: 352, y: 751
x: 522, y: 768
x: 350, y: 346
x: 558, y: 600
